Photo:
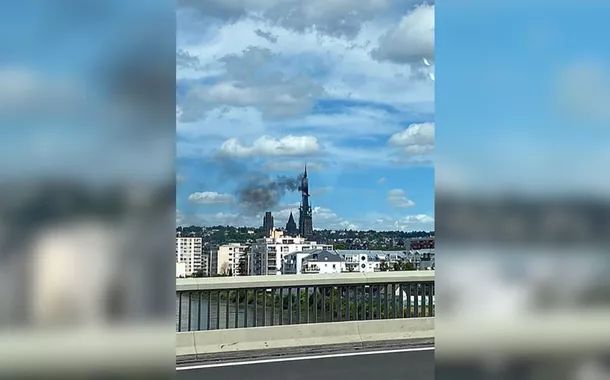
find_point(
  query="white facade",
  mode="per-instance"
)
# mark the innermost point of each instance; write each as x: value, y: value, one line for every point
x: 293, y: 262
x: 360, y: 261
x: 314, y: 261
x: 324, y: 264
x: 228, y: 257
x: 180, y: 270
x: 189, y: 252
x: 267, y: 254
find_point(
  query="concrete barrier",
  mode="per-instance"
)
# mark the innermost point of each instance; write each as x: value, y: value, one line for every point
x: 297, y: 280
x: 555, y: 333
x: 85, y: 350
x: 294, y: 336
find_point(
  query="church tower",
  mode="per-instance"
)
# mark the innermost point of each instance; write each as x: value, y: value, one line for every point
x: 291, y: 226
x: 305, y: 213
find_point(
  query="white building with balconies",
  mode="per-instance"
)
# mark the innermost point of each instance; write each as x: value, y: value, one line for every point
x: 315, y: 261
x: 229, y: 258
x: 189, y: 252
x: 360, y: 260
x: 267, y: 254
x: 322, y: 262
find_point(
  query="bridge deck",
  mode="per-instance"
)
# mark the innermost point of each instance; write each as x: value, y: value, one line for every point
x: 415, y: 363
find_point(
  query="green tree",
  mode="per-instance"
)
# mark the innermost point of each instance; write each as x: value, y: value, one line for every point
x: 403, y: 265
x: 198, y: 273
x: 384, y: 266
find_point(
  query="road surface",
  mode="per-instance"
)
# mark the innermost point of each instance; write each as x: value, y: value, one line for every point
x: 396, y: 364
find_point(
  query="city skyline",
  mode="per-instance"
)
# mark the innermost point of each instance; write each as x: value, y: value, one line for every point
x: 261, y: 93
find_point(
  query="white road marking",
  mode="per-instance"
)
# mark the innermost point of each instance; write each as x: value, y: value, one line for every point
x: 298, y: 358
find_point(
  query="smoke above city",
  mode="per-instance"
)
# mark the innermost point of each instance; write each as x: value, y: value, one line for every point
x: 262, y: 193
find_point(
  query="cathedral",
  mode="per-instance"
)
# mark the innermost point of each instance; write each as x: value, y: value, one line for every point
x: 291, y: 226
x: 305, y: 213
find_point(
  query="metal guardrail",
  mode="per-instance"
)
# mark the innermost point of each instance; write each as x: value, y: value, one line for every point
x: 256, y: 301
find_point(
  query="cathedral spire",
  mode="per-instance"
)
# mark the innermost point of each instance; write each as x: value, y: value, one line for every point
x: 291, y: 226
x: 305, y: 212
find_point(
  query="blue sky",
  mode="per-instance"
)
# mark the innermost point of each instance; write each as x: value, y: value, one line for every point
x: 261, y: 90
x: 523, y: 91
x: 61, y: 92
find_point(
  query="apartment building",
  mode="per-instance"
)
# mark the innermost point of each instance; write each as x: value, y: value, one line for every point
x: 180, y: 270
x: 231, y: 259
x: 315, y: 261
x: 267, y: 254
x: 189, y: 252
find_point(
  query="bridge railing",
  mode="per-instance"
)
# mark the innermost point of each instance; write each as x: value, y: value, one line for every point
x: 255, y: 301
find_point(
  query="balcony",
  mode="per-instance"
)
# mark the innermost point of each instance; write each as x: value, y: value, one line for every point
x: 310, y: 269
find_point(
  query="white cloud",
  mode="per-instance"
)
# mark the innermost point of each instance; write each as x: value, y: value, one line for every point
x: 186, y: 60
x: 382, y: 180
x: 418, y: 222
x: 398, y: 198
x: 345, y: 68
x: 180, y: 178
x: 327, y: 218
x: 210, y: 198
x: 411, y: 40
x: 264, y: 65
x: 245, y: 73
x: 415, y: 134
x: 416, y: 140
x: 180, y: 219
x: 323, y: 218
x: 339, y: 18
x: 268, y: 146
x: 295, y: 166
x: 252, y: 80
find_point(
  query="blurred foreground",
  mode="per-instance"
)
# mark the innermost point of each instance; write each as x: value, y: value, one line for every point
x: 87, y: 189
x: 523, y: 202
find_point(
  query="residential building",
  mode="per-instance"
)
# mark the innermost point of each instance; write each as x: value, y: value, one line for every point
x: 189, y: 251
x: 211, y: 253
x: 180, y: 270
x: 420, y: 244
x: 357, y: 260
x: 267, y: 254
x: 316, y: 261
x: 422, y: 260
x: 228, y: 258
x: 427, y: 261
x: 205, y: 263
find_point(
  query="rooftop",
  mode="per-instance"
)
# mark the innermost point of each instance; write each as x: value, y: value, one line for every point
x: 323, y: 255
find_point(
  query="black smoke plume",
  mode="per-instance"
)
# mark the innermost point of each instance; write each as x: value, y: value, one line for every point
x: 261, y: 193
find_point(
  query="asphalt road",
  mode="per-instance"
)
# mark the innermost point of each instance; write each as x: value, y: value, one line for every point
x: 385, y: 365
